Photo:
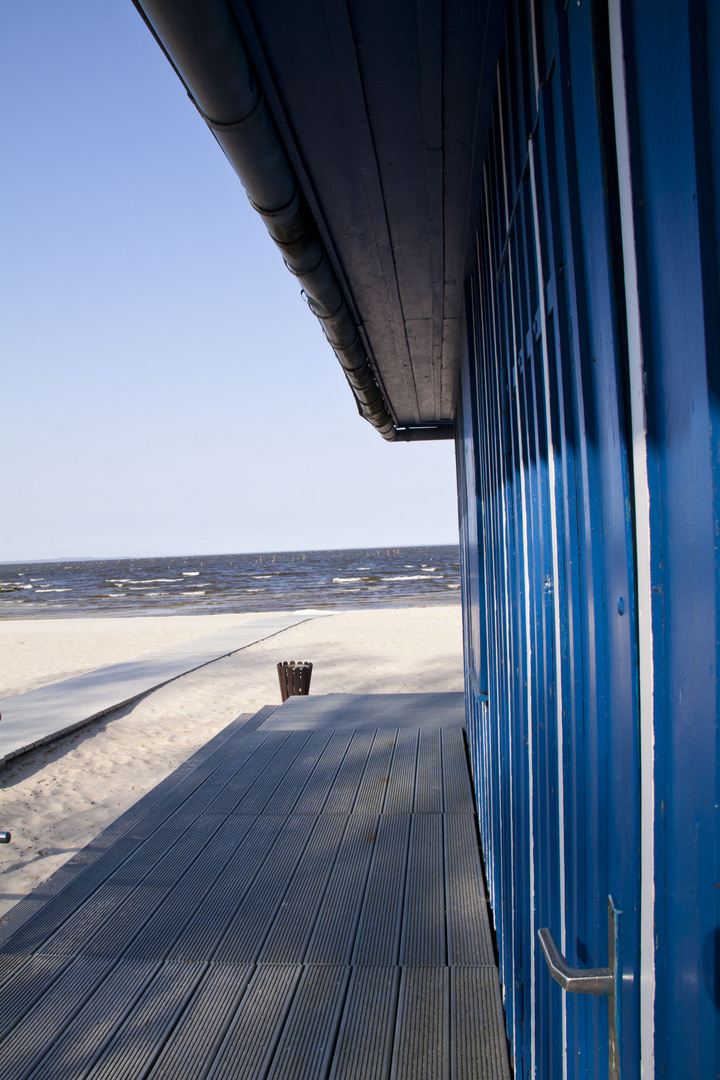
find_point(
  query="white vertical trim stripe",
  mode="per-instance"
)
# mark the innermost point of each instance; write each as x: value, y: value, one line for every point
x: 556, y: 592
x: 643, y: 540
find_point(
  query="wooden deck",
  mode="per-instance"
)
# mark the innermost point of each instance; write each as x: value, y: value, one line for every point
x: 298, y: 900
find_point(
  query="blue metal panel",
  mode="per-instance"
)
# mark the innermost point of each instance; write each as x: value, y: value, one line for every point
x: 673, y: 138
x: 556, y: 749
x: 562, y: 331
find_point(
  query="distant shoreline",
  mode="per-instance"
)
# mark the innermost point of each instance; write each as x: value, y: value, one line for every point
x: 452, y: 600
x: 217, y: 554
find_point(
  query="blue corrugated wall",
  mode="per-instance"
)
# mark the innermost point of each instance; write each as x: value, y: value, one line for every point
x: 588, y: 457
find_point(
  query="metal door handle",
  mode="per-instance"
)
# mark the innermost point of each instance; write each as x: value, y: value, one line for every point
x: 575, y: 980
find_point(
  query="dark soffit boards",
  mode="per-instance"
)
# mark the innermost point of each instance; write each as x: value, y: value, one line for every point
x: 384, y: 110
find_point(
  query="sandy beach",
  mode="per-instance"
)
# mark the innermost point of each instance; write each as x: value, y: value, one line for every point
x: 36, y: 652
x: 58, y: 797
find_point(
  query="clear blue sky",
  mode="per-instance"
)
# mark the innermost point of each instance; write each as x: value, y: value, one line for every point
x: 165, y: 389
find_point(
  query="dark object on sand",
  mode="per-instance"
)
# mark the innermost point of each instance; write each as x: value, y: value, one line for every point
x: 294, y: 678
x: 5, y: 837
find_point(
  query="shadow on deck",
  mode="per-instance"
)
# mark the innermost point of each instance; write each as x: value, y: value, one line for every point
x: 303, y: 898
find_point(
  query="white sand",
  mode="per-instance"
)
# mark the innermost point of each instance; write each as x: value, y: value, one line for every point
x: 36, y: 652
x: 57, y: 798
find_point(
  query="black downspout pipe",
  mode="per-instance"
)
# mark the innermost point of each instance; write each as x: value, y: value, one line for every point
x: 204, y: 45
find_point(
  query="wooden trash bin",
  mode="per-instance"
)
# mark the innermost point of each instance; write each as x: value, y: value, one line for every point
x: 294, y: 678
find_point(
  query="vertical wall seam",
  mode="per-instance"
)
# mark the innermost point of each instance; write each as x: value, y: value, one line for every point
x: 643, y: 551
x: 556, y: 582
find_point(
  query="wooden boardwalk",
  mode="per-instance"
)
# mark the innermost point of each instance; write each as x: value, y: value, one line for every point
x: 297, y: 901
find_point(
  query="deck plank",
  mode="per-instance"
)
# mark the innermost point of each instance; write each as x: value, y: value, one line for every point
x: 334, y: 933
x: 365, y: 1041
x: 306, y: 1044
x: 298, y: 904
x: 200, y: 938
x: 400, y: 797
x: 37, y: 1029
x: 323, y: 776
x: 421, y: 1049
x: 254, y: 1031
x: 197, y: 1037
x: 378, y: 937
x: 246, y: 934
x: 424, y: 932
x: 291, y: 931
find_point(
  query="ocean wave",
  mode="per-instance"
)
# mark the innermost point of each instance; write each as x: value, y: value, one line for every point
x: 453, y: 586
x: 409, y: 577
x: 142, y: 581
x: 284, y: 580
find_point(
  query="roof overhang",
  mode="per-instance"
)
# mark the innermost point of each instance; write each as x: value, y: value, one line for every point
x: 382, y: 111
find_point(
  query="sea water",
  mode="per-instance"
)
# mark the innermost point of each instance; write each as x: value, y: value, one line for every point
x: 216, y: 584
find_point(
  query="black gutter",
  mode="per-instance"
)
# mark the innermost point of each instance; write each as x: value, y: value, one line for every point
x: 203, y: 43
